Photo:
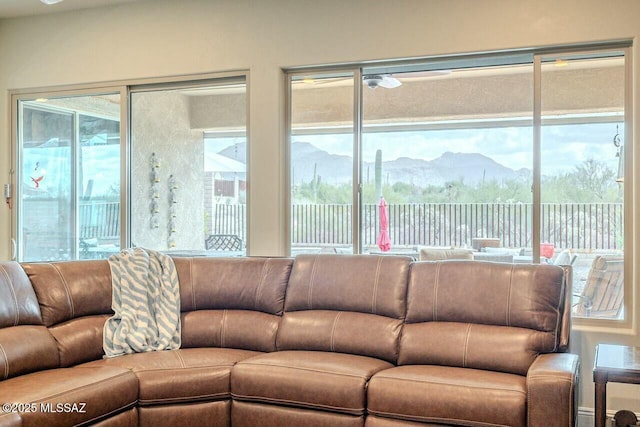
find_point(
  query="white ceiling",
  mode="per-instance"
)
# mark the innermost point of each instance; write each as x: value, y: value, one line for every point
x: 16, y: 8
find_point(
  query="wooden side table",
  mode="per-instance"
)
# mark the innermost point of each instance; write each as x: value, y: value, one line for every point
x: 613, y: 363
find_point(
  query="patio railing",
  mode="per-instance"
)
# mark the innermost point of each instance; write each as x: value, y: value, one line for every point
x: 586, y: 226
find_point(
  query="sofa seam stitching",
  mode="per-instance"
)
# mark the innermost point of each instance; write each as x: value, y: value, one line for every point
x: 311, y: 282
x: 107, y: 415
x: 298, y: 403
x: 556, y: 334
x: 567, y: 380
x: 454, y: 385
x: 193, y: 290
x: 305, y: 369
x: 434, y: 313
x: 184, y: 366
x: 182, y: 362
x: 54, y: 395
x: 542, y: 376
x: 6, y: 362
x: 66, y: 288
x: 376, y: 284
x: 263, y: 279
x: 13, y: 294
x: 333, y: 330
x: 223, y: 327
x: 198, y: 398
x: 419, y: 418
x: 466, y: 346
x: 508, y: 314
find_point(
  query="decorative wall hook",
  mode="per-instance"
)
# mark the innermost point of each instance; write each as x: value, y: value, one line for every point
x: 172, y: 210
x: 155, y: 191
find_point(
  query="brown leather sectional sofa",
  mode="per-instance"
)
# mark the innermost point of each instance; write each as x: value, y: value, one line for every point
x: 331, y: 340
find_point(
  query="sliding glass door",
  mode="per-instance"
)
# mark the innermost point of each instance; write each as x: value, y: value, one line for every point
x: 69, y: 177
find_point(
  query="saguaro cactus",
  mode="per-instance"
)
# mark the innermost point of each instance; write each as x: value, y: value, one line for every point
x: 378, y: 174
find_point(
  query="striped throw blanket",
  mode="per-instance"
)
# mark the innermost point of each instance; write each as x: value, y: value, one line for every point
x: 146, y: 303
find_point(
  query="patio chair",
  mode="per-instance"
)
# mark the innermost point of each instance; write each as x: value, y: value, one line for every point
x: 603, y: 292
x: 565, y: 258
x: 223, y: 242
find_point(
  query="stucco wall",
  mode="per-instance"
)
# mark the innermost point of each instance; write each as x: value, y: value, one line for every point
x: 180, y: 153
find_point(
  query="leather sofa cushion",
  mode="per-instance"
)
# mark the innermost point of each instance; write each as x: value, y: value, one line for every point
x: 443, y: 394
x: 250, y: 414
x: 176, y: 376
x: 497, y: 348
x: 127, y: 418
x: 104, y: 391
x: 197, y: 414
x: 345, y: 303
x: 318, y: 380
x: 375, y: 421
x: 517, y: 295
x: 257, y: 284
x: 18, y: 302
x: 75, y: 299
x: 25, y: 349
x: 341, y: 331
x: 71, y: 289
x: 490, y: 315
x: 79, y: 340
x: 242, y: 329
x: 359, y: 283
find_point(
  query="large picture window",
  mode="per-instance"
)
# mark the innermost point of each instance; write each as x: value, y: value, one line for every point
x: 511, y: 158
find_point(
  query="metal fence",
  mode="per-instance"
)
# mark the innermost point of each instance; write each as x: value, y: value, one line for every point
x: 586, y: 226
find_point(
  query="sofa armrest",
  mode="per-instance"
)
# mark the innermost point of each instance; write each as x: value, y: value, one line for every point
x: 552, y: 390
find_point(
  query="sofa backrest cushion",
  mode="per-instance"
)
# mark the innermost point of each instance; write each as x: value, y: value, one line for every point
x: 225, y: 302
x: 71, y: 289
x: 257, y: 284
x: 232, y: 302
x: 482, y: 315
x: 345, y: 303
x: 25, y: 344
x: 18, y: 302
x: 75, y: 300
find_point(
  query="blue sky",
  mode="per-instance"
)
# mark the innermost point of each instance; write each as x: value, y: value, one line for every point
x: 101, y: 164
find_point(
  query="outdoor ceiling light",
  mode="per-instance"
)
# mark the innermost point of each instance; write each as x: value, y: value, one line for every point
x: 50, y: 1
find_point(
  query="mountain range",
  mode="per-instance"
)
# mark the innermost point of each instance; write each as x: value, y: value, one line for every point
x: 473, y: 168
